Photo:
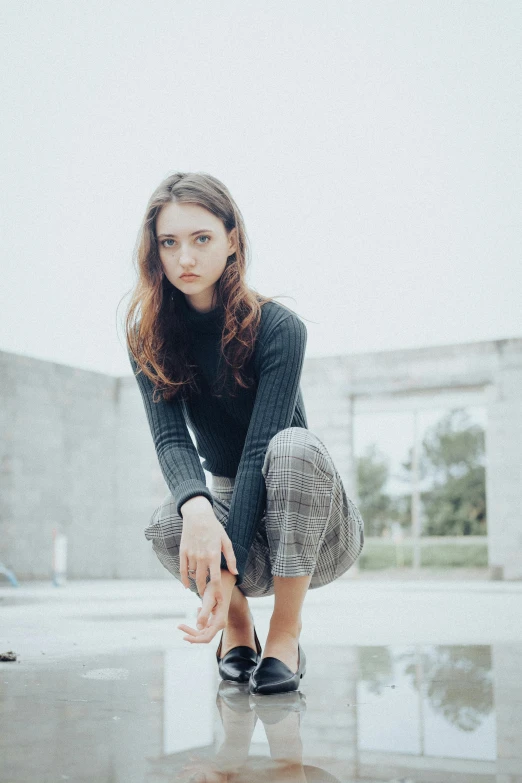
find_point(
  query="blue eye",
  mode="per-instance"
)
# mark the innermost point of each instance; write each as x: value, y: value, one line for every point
x: 169, y: 239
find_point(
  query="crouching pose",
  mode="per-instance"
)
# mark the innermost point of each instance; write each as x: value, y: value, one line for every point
x: 212, y: 355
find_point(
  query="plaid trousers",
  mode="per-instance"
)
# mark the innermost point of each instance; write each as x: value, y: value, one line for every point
x: 309, y: 525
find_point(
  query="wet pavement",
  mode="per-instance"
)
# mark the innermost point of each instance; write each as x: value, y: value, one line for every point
x: 405, y: 682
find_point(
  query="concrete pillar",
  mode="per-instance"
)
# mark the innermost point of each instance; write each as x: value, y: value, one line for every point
x: 504, y: 469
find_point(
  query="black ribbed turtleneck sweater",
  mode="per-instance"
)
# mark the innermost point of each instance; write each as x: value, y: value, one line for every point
x: 231, y: 433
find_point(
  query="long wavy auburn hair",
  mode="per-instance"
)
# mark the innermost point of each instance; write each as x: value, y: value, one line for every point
x: 155, y: 328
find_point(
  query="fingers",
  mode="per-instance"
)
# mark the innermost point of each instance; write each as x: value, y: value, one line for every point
x: 215, y: 571
x: 201, y: 576
x: 199, y: 623
x: 212, y: 591
x: 183, y: 568
x: 213, y: 604
x: 207, y: 606
x: 200, y: 637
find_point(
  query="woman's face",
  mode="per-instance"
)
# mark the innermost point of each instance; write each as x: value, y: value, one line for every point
x: 193, y: 240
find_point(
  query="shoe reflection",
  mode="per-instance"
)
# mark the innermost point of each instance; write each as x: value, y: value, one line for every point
x: 281, y: 715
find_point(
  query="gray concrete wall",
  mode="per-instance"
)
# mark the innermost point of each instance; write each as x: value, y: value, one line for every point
x: 76, y: 453
x: 57, y: 459
x: 76, y: 456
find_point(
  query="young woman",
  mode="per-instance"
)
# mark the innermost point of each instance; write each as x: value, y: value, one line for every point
x: 212, y: 355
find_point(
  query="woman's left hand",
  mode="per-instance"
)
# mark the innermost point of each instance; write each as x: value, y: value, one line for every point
x: 213, y: 613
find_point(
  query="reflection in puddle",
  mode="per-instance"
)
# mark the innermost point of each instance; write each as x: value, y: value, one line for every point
x: 433, y: 701
x: 416, y: 713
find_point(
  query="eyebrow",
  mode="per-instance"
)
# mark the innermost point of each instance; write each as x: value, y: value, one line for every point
x: 200, y: 231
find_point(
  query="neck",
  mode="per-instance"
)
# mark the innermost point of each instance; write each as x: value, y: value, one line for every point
x: 201, y: 305
x: 208, y: 321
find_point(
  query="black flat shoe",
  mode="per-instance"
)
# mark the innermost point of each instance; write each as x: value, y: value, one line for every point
x: 239, y: 662
x: 236, y: 697
x: 273, y: 676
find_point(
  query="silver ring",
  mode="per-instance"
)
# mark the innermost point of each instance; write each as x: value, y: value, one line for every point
x: 192, y: 570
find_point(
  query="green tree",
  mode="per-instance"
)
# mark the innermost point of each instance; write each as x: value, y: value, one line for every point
x: 401, y: 512
x: 375, y: 505
x: 457, y: 681
x: 452, y: 457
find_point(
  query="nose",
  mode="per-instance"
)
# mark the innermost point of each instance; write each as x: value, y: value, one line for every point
x: 186, y: 260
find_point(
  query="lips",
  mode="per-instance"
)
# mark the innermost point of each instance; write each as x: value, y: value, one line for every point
x: 188, y: 277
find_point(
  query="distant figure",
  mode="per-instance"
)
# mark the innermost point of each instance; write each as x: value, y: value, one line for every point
x: 210, y: 353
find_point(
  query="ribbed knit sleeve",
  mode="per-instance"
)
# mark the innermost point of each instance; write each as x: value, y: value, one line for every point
x: 178, y: 458
x: 280, y: 362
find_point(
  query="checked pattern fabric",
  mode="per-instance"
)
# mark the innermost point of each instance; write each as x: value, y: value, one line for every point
x: 309, y: 526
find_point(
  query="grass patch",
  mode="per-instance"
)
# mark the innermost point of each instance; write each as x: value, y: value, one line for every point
x: 376, y: 555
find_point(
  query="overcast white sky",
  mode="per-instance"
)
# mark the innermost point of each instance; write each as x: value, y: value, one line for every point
x: 373, y: 148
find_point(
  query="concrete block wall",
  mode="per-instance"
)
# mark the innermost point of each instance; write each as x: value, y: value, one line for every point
x: 139, y: 486
x: 57, y: 456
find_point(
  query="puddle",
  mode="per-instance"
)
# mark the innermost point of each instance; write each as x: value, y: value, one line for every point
x: 388, y: 713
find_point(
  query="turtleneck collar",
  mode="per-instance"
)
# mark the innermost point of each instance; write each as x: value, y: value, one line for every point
x: 203, y: 323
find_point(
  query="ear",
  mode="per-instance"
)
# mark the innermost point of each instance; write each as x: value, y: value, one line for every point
x: 232, y: 241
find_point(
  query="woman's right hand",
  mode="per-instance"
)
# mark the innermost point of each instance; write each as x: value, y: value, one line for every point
x: 202, y: 540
